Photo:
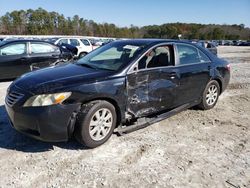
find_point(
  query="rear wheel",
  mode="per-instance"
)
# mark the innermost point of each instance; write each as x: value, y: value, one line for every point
x: 210, y: 95
x: 96, y: 123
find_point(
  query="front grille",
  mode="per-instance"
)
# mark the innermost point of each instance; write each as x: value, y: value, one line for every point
x: 12, y: 98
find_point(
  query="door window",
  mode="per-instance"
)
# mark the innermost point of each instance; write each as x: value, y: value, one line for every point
x: 42, y: 48
x: 13, y: 49
x: 85, y: 42
x: 63, y: 41
x: 189, y: 54
x: 158, y: 57
x: 74, y: 42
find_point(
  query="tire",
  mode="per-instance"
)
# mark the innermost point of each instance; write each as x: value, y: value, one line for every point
x: 95, y: 123
x: 82, y: 54
x: 210, y: 95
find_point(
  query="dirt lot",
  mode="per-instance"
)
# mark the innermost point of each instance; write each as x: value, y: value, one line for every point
x: 192, y: 149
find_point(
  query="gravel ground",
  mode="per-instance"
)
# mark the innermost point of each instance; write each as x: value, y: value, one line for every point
x: 192, y: 149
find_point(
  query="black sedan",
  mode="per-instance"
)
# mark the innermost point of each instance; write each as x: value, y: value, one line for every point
x: 21, y: 56
x: 125, y: 85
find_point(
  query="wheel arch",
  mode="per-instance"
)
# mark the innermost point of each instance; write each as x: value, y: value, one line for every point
x: 219, y: 82
x: 83, y: 52
x: 111, y: 101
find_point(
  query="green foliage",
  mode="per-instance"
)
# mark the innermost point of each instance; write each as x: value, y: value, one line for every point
x: 42, y: 22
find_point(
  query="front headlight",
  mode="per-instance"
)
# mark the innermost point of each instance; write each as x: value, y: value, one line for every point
x: 47, y: 99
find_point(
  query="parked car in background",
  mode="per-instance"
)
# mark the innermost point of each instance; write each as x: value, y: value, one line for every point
x: 117, y: 85
x: 244, y: 43
x: 83, y: 45
x: 51, y: 40
x: 96, y: 43
x: 212, y: 48
x: 221, y: 42
x: 21, y: 56
x: 228, y: 43
x: 209, y: 45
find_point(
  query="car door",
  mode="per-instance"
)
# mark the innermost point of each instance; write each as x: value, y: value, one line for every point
x: 13, y: 60
x: 152, y: 86
x: 194, y: 71
x: 87, y: 45
x: 43, y: 54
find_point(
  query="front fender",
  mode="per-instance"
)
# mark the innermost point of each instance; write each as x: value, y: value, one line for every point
x: 113, y: 90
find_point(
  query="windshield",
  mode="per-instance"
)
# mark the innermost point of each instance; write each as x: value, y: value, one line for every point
x: 112, y: 56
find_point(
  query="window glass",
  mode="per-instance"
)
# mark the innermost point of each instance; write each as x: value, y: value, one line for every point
x: 189, y: 55
x: 203, y: 57
x: 13, y: 49
x: 159, y: 57
x: 42, y: 48
x: 63, y: 41
x: 85, y: 42
x: 74, y: 42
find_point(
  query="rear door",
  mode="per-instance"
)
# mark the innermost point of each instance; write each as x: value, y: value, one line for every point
x: 87, y: 45
x: 194, y: 71
x: 14, y: 60
x: 43, y: 54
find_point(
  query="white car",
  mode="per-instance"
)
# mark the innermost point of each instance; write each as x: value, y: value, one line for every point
x: 83, y: 45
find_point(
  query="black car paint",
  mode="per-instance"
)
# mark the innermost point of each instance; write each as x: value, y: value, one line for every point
x: 133, y: 93
x: 13, y: 66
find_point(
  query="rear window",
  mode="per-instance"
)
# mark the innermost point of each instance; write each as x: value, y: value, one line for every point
x: 189, y: 55
x: 85, y: 42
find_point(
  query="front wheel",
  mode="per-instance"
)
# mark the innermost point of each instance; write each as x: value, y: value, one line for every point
x: 210, y: 95
x: 82, y: 55
x: 96, y: 123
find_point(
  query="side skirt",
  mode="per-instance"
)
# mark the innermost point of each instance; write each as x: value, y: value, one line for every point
x: 145, y: 122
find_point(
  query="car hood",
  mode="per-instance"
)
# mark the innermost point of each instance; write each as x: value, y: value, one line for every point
x: 58, y: 77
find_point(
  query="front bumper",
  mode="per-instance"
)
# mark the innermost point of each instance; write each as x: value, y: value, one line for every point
x: 48, y: 123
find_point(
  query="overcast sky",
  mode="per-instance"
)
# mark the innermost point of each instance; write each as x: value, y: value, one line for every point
x: 143, y: 12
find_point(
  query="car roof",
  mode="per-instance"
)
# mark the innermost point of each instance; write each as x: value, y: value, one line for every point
x: 23, y: 40
x: 151, y: 41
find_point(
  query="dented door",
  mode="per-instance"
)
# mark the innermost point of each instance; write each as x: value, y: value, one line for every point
x: 162, y: 85
x: 137, y: 91
x: 151, y: 91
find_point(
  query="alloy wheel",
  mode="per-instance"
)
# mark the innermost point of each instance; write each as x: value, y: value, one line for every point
x: 100, y: 124
x: 212, y: 95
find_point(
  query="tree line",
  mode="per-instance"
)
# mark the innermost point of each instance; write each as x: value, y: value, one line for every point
x: 42, y: 22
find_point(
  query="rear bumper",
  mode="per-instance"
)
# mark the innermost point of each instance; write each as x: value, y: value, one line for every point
x: 51, y: 123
